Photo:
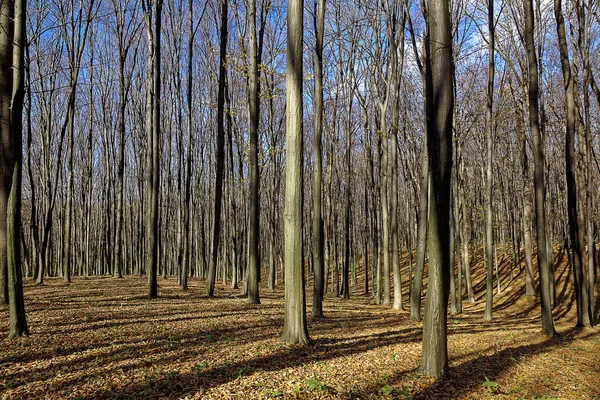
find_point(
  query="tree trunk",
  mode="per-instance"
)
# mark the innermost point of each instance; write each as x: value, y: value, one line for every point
x: 422, y: 217
x: 254, y: 119
x: 348, y: 173
x: 294, y: 326
x: 489, y: 231
x: 529, y: 279
x: 385, y: 218
x: 538, y: 158
x: 584, y: 48
x: 453, y: 297
x: 396, y: 76
x: 220, y: 150
x: 154, y: 156
x: 581, y: 290
x: 121, y: 161
x: 464, y: 215
x: 439, y: 113
x: 317, y: 222
x: 14, y: 87
x: 455, y: 212
x: 6, y: 162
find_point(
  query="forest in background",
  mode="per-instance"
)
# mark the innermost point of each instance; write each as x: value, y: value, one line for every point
x: 154, y: 143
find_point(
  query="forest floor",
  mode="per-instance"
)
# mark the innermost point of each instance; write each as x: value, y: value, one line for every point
x: 102, y: 338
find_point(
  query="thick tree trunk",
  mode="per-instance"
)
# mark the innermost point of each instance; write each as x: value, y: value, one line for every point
x: 294, y: 326
x: 154, y: 156
x: 220, y: 150
x: 439, y: 113
x: 581, y: 290
x: 317, y: 222
x: 254, y: 119
x: 188, y: 158
x: 453, y: 307
x: 6, y: 163
x: 18, y: 323
x: 538, y: 158
x: 584, y: 49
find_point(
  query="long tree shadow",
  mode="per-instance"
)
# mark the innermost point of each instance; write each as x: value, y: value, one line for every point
x: 465, y: 379
x: 200, y: 380
x: 469, y: 376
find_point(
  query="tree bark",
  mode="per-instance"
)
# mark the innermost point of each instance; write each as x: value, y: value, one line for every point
x: 417, y: 286
x: 439, y: 109
x: 6, y: 163
x: 15, y: 90
x: 581, y: 290
x: 254, y: 119
x: 527, y: 241
x: 154, y: 156
x: 538, y: 159
x: 385, y: 218
x: 489, y: 226
x: 294, y: 326
x: 220, y: 150
x: 317, y: 222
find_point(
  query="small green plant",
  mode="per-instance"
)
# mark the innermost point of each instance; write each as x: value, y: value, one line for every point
x: 200, y: 366
x: 405, y: 392
x: 148, y: 378
x: 276, y: 393
x: 491, y: 386
x: 209, y: 338
x: 242, y: 371
x: 168, y: 383
x: 386, y: 390
x: 315, y: 384
x: 296, y: 388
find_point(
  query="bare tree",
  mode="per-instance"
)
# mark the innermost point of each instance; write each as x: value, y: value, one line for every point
x: 439, y: 108
x: 538, y: 160
x: 294, y: 325
x: 12, y: 44
x: 153, y: 26
x: 581, y: 290
x: 317, y: 222
x: 220, y: 150
x: 489, y: 121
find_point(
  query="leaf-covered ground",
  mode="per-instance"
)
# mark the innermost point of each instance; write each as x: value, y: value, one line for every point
x: 102, y: 338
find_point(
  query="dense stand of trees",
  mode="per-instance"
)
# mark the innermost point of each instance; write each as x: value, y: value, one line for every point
x: 201, y: 142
